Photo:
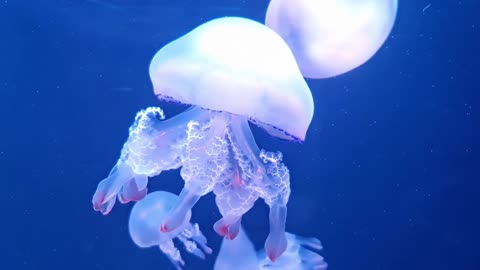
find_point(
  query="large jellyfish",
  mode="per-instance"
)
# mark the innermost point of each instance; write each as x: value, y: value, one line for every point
x: 232, y: 71
x: 301, y: 254
x: 145, y: 220
x: 331, y: 37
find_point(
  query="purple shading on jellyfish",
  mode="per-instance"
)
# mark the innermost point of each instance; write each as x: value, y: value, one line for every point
x: 232, y: 71
x: 145, y: 219
x: 301, y: 254
x: 331, y: 37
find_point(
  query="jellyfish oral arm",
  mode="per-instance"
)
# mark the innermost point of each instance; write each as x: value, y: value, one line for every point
x: 192, y: 231
x: 154, y: 145
x: 191, y: 238
x: 276, y: 242
x: 169, y: 249
x: 245, y: 148
x: 265, y: 176
x: 203, y: 161
x: 120, y: 176
x: 228, y: 226
x: 187, y: 200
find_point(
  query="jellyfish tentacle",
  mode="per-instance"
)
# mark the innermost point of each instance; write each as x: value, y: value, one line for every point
x: 258, y: 173
x: 276, y: 192
x: 204, y: 162
x: 245, y: 148
x: 234, y: 228
x: 154, y: 145
x: 172, y: 253
x: 141, y: 182
x: 228, y: 227
x: 105, y: 196
x: 176, y: 217
x: 193, y: 232
x: 271, y: 182
x: 311, y: 243
x: 191, y: 246
x: 276, y: 242
x: 234, y: 196
x: 298, y: 255
x: 131, y: 192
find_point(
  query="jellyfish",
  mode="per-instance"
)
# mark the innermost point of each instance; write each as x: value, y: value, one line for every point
x: 231, y: 71
x: 301, y: 254
x: 145, y: 219
x: 331, y: 37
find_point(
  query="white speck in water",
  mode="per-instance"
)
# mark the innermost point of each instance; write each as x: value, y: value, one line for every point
x: 426, y: 7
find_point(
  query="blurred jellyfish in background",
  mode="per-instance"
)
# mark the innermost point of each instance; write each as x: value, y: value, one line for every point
x: 145, y: 220
x: 231, y: 70
x: 301, y: 254
x: 331, y: 37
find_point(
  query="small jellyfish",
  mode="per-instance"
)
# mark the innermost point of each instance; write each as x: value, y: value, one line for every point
x: 301, y: 254
x: 331, y: 37
x: 231, y: 71
x: 144, y: 224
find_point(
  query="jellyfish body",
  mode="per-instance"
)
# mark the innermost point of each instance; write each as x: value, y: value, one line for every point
x: 301, y: 254
x: 232, y: 71
x: 243, y: 71
x: 145, y: 219
x: 331, y: 37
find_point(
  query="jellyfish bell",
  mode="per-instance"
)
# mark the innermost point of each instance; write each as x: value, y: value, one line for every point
x: 238, y: 66
x: 331, y: 37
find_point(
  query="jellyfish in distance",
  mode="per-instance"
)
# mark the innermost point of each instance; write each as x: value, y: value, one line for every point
x: 331, y: 37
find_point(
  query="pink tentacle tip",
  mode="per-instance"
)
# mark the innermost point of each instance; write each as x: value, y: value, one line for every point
x: 223, y: 231
x: 272, y: 257
x: 98, y: 198
x: 275, y: 251
x: 164, y: 228
x: 232, y: 232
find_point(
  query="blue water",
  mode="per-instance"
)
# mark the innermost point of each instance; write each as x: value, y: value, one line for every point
x: 387, y: 178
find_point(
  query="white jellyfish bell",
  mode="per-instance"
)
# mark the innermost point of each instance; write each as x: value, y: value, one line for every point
x: 240, y: 66
x: 331, y: 37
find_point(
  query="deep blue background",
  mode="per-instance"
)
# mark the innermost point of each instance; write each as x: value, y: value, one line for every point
x: 387, y: 179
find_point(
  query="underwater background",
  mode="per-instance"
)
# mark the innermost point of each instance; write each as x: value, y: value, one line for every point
x: 388, y: 177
